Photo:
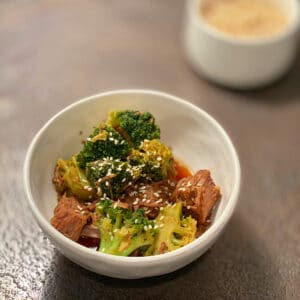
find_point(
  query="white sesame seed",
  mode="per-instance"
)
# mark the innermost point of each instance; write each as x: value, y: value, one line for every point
x: 162, y: 217
x: 188, y: 207
x: 145, y: 228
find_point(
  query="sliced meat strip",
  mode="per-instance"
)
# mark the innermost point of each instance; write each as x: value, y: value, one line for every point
x: 149, y: 196
x: 199, y: 194
x: 70, y: 216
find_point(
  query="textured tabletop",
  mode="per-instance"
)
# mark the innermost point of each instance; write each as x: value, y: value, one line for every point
x: 53, y: 53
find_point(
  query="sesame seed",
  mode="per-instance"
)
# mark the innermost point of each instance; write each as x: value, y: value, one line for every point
x: 161, y: 225
x: 159, y: 158
x: 155, y: 226
x: 135, y: 221
x: 145, y: 228
x: 161, y: 208
x: 188, y: 207
x: 162, y: 217
x: 150, y: 226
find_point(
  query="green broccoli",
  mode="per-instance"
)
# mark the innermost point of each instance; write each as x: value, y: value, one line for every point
x: 174, y: 230
x: 103, y: 142
x: 123, y: 231
x: 111, y: 177
x: 68, y: 177
x: 134, y: 126
x: 155, y: 159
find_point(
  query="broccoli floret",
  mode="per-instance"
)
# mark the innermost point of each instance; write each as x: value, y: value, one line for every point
x: 134, y: 126
x: 68, y: 177
x: 111, y: 177
x: 174, y: 230
x: 155, y: 159
x: 123, y: 231
x: 103, y: 142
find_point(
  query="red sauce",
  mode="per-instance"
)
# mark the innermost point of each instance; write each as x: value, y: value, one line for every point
x: 181, y: 170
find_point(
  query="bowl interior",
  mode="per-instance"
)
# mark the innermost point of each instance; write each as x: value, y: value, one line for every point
x: 196, y: 139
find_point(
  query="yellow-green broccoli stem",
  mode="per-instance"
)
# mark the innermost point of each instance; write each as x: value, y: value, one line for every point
x: 73, y: 180
x: 155, y: 159
x: 175, y: 231
x: 123, y: 231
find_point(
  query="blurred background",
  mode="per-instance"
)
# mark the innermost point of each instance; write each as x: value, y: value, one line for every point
x: 54, y: 53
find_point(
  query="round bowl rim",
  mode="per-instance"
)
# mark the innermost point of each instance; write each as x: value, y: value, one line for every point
x: 203, y: 240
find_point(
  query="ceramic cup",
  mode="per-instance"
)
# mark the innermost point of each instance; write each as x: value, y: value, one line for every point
x: 242, y: 63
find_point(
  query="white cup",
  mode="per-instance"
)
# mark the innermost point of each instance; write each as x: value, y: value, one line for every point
x: 241, y: 63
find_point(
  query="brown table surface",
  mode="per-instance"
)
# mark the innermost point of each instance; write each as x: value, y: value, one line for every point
x: 53, y: 53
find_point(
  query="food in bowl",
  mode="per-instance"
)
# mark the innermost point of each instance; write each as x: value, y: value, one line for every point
x: 244, y: 18
x: 125, y: 194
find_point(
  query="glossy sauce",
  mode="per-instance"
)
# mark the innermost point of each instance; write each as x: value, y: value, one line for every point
x: 181, y: 170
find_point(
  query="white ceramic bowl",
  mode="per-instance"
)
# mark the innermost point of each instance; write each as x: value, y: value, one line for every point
x: 195, y: 137
x: 240, y: 62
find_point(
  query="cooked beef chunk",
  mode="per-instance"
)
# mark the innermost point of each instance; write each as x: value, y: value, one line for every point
x: 198, y: 193
x: 90, y: 236
x: 70, y: 216
x: 149, y: 196
x: 90, y: 231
